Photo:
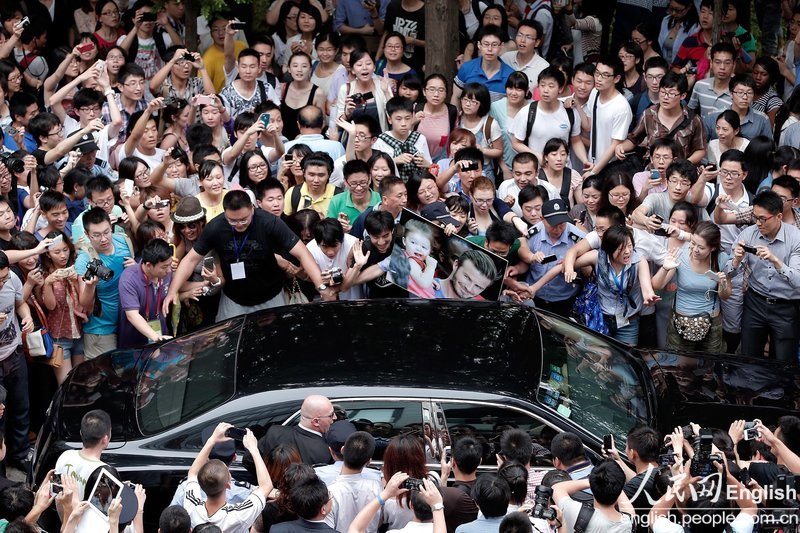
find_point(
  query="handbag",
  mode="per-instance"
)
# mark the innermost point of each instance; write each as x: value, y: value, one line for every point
x: 293, y: 295
x: 693, y: 328
x: 39, y: 343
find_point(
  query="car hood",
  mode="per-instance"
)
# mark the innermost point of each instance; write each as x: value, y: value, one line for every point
x: 714, y: 389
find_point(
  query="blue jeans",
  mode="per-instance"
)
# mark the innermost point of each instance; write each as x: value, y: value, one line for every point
x: 628, y: 334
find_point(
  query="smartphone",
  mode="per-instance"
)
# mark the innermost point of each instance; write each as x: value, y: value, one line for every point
x: 749, y: 249
x: 751, y: 434
x: 56, y: 241
x: 238, y: 25
x: 161, y: 204
x: 288, y: 158
x: 744, y: 476
x: 548, y: 259
x: 127, y: 187
x: 448, y: 454
x: 712, y: 167
x: 608, y: 442
x: 236, y: 433
x: 661, y: 232
x: 149, y: 17
x: 710, y: 274
x: 208, y: 263
x: 743, y: 38
x: 205, y: 100
x: 264, y: 118
x: 470, y: 166
x: 55, y: 485
x: 343, y: 216
x: 659, y: 218
x: 83, y: 48
x: 655, y: 175
x: 666, y: 459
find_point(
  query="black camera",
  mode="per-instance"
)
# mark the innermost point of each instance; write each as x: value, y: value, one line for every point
x: 178, y: 153
x: 361, y: 98
x: 472, y: 165
x: 336, y: 275
x: 149, y: 17
x: 188, y: 57
x: 541, y: 503
x: 97, y: 268
x: 14, y: 165
x: 412, y: 484
x: 703, y: 460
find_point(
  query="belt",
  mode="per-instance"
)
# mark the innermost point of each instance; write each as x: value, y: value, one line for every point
x: 772, y: 301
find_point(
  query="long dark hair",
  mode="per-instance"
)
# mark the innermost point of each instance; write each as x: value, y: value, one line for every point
x: 691, y: 17
x: 759, y: 156
x: 709, y: 232
x: 47, y: 264
x: 244, y: 172
x: 614, y: 180
x: 280, y: 29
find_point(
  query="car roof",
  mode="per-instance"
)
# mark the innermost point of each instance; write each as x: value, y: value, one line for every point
x: 470, y: 346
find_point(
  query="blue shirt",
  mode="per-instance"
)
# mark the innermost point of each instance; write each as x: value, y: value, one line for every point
x: 755, y: 123
x: 472, y: 72
x: 694, y: 294
x: 107, y: 292
x: 28, y: 141
x: 354, y: 14
x: 558, y: 289
x: 481, y: 525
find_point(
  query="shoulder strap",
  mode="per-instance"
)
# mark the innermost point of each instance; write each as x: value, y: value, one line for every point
x: 295, y: 198
x: 285, y: 89
x: 566, y: 182
x: 571, y: 117
x: 272, y: 79
x: 487, y: 129
x: 262, y: 91
x: 531, y: 118
x: 583, y: 519
x: 452, y: 115
x: 593, y: 155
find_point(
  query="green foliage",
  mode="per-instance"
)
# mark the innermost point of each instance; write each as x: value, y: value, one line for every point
x: 207, y: 7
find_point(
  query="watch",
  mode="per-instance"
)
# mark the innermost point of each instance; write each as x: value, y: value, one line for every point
x: 437, y: 506
x: 322, y: 288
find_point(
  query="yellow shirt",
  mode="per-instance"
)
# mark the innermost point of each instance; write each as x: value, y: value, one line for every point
x: 212, y: 210
x: 320, y: 205
x: 214, y: 59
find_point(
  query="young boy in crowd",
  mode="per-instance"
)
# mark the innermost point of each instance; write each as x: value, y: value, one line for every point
x: 408, y: 148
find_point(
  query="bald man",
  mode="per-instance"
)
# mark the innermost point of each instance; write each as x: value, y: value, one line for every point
x: 310, y: 120
x: 316, y: 416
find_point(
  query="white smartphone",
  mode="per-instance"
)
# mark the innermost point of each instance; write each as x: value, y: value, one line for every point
x: 710, y: 274
x: 127, y: 187
x: 56, y: 241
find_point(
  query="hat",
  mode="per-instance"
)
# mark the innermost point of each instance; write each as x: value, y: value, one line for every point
x: 438, y: 212
x: 188, y: 210
x: 86, y: 143
x: 337, y: 434
x: 224, y: 451
x: 555, y: 212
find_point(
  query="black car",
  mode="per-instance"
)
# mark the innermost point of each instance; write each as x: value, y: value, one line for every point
x: 397, y: 366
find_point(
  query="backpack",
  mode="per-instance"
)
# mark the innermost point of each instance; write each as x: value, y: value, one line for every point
x: 532, y: 117
x: 712, y: 203
x: 296, y: 195
x: 452, y: 115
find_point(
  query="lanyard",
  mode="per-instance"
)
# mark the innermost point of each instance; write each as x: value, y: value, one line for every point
x: 147, y: 298
x: 238, y: 249
x: 619, y: 282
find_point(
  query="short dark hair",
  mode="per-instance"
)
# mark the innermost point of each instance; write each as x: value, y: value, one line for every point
x: 358, y: 448
x: 723, y: 47
x: 470, y: 153
x: 467, y: 453
x: 128, y: 70
x: 19, y: 103
x: 387, y: 183
x: 612, y: 213
x: 398, y: 103
x: 318, y: 159
x: 370, y: 122
x: 480, y: 93
x: 790, y: 431
x: 516, y: 475
x: 236, y: 200
x: 202, y: 151
x: 656, y: 62
x: 491, y: 30
x: 674, y: 80
x: 553, y: 73
x: 492, y: 494
x: 41, y: 124
x: 198, y: 134
x: 785, y: 181
x: 95, y: 425
x: 614, y: 62
x: 422, y: 511
x: 355, y: 166
x: 554, y: 477
x: 156, y: 251
x: 15, y: 501
x: 308, y: 497
x: 735, y: 156
x: 770, y: 201
x: 502, y: 231
x: 4, y: 260
x: 328, y: 232
x: 248, y: 52
x: 742, y: 79
x: 606, y: 481
x: 585, y: 67
x: 567, y: 446
x: 683, y: 168
x: 534, y: 25
x: 645, y: 441
x: 94, y: 217
x: 516, y: 445
x: 268, y: 184
x: 174, y: 519
x: 531, y: 192
x: 516, y: 522
x: 86, y: 97
x: 376, y: 222
x: 612, y: 240
x: 665, y: 142
x: 98, y: 184
x: 51, y: 199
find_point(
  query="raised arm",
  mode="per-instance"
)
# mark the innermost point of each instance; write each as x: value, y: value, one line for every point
x: 138, y: 129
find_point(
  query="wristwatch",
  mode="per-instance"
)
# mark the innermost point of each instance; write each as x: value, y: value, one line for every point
x: 437, y: 506
x: 322, y: 288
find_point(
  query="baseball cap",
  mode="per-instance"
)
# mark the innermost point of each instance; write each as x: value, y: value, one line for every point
x: 337, y: 434
x: 556, y: 212
x: 86, y: 143
x: 224, y: 451
x: 438, y: 212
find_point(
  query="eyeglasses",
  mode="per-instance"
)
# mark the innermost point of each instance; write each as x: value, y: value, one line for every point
x: 731, y: 173
x: 661, y: 157
x: 359, y: 185
x: 393, y: 46
x: 240, y: 222
x: 619, y: 195
x: 650, y: 77
x: 483, y: 201
x: 682, y: 183
x: 436, y: 90
x: 97, y: 236
x: 743, y: 94
x: 134, y: 84
x: 526, y: 37
x: 143, y: 174
x: 676, y: 10
x: 104, y: 203
x: 604, y: 75
x: 260, y: 166
x: 60, y: 131
x: 15, y: 79
x: 763, y: 220
x: 362, y: 137
x: 669, y: 94
x: 625, y: 57
x: 491, y: 45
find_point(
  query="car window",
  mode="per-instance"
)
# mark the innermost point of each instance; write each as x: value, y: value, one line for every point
x: 487, y: 422
x: 590, y: 381
x: 187, y: 377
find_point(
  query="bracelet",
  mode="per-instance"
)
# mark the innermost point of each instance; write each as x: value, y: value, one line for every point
x: 108, y: 92
x: 381, y: 501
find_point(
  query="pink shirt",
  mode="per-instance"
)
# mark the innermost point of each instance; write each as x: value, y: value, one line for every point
x: 435, y: 128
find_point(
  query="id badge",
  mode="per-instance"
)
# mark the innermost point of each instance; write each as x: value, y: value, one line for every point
x: 622, y: 321
x: 237, y: 270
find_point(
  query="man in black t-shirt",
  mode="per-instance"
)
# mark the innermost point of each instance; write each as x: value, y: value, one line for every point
x: 246, y: 240
x: 408, y: 18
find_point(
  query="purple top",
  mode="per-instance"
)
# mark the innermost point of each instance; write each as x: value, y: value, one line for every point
x: 146, y: 297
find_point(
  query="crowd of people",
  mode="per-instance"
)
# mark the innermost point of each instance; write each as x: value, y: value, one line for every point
x: 638, y: 177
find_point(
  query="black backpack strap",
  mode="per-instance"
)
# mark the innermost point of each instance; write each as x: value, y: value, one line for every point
x: 452, y: 116
x: 531, y: 118
x: 571, y: 117
x: 566, y: 183
x: 295, y: 198
x: 583, y: 518
x: 262, y: 90
x: 593, y: 155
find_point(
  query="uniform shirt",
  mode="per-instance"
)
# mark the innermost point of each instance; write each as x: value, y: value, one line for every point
x: 557, y: 289
x: 107, y: 292
x: 764, y: 278
x: 232, y: 518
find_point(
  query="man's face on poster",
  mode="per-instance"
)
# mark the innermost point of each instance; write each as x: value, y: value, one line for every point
x: 468, y: 282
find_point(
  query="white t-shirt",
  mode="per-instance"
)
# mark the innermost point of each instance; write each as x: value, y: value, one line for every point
x: 78, y: 467
x: 339, y: 261
x: 599, y: 523
x: 231, y: 518
x: 545, y: 127
x: 510, y: 188
x: 152, y: 160
x: 613, y: 120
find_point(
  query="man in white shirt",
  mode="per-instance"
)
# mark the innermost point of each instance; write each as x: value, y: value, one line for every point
x: 609, y: 114
x: 95, y: 436
x: 524, y: 58
x: 353, y: 490
x: 142, y: 138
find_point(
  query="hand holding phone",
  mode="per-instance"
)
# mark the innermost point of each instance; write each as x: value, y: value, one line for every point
x: 713, y: 276
x: 56, y: 241
x: 203, y: 99
x: 264, y: 118
x: 608, y: 442
x: 236, y: 433
x: 749, y: 249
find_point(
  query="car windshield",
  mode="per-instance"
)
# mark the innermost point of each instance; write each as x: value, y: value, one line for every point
x: 590, y: 381
x: 187, y: 377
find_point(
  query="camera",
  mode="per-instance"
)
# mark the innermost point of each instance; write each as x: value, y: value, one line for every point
x: 541, y: 503
x: 703, y: 460
x: 149, y: 17
x: 97, y: 268
x: 412, y: 484
x: 14, y: 165
x: 178, y: 153
x: 336, y: 275
x: 25, y: 22
x: 361, y: 98
x: 236, y: 433
x: 473, y: 165
x: 188, y: 57
x: 666, y: 459
x: 750, y: 431
x: 787, y: 483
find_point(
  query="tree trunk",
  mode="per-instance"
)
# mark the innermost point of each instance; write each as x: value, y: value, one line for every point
x: 441, y: 37
x: 192, y: 12
x: 716, y: 29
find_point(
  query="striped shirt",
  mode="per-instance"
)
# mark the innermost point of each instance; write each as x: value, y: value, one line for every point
x: 231, y: 518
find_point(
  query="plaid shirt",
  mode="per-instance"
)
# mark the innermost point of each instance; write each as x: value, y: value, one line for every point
x: 690, y: 138
x: 123, y: 133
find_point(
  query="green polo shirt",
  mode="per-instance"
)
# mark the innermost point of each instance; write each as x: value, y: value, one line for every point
x: 343, y: 203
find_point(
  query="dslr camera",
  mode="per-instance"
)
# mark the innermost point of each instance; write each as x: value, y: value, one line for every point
x: 336, y: 275
x: 14, y: 165
x: 98, y: 269
x: 703, y: 460
x: 361, y: 98
x: 541, y: 503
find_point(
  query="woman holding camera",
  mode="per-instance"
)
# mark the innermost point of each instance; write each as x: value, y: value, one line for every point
x: 364, y: 95
x: 65, y: 316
